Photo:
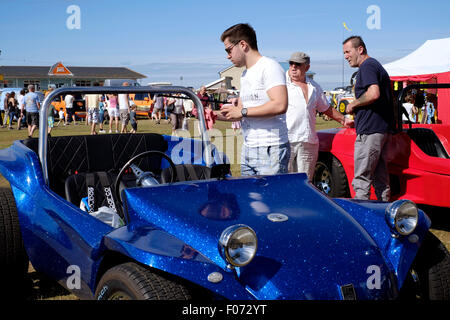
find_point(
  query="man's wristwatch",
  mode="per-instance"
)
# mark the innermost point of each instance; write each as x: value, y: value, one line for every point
x: 244, y: 112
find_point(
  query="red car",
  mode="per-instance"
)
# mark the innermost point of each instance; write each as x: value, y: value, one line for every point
x: 419, y: 162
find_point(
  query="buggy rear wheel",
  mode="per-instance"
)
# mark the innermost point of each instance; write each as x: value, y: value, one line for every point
x: 13, y: 258
x: 130, y: 281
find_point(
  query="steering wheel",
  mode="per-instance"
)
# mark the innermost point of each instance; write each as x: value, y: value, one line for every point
x: 140, y: 175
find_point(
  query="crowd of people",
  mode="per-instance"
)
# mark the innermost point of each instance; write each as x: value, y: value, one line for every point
x: 23, y: 108
x: 420, y: 107
x: 122, y: 111
x: 275, y: 110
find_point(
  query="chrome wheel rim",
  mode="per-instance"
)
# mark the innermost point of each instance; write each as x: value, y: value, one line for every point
x: 322, y: 178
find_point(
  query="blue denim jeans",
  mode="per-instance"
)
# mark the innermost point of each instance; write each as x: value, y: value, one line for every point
x: 265, y: 160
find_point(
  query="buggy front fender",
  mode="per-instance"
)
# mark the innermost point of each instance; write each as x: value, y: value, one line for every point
x: 162, y: 251
x: 399, y: 252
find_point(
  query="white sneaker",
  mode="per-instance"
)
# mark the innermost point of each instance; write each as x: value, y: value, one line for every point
x: 110, y: 131
x: 102, y: 131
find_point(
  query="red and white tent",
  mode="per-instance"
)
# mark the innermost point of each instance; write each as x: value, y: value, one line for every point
x: 429, y: 63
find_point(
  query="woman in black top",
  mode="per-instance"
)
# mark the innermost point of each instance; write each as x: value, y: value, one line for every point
x: 12, y: 108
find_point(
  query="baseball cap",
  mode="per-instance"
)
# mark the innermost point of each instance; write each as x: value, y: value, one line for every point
x: 299, y: 57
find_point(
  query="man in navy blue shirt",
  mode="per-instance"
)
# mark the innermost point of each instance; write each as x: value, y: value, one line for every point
x: 374, y: 121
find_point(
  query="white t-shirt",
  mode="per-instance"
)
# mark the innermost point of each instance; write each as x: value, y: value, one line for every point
x: 255, y: 82
x: 21, y: 101
x: 300, y: 116
x: 69, y: 101
x: 124, y: 104
x: 188, y: 105
x: 93, y: 100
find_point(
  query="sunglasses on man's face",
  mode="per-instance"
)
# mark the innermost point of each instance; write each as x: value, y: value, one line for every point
x: 292, y: 63
x: 230, y: 48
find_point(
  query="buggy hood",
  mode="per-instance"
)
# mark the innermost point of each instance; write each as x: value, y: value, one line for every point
x: 319, y: 246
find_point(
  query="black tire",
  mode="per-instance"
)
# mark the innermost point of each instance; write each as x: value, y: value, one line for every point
x: 330, y: 178
x: 429, y: 275
x: 13, y: 258
x: 130, y: 281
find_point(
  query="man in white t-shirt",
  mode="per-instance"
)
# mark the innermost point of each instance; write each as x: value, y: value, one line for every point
x: 21, y: 101
x: 306, y: 97
x: 124, y: 109
x: 68, y: 100
x: 261, y: 106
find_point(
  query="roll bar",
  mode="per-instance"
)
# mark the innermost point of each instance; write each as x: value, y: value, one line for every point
x: 401, y: 110
x: 43, y: 113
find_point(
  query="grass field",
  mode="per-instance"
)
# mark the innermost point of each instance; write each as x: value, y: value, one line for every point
x: 222, y: 136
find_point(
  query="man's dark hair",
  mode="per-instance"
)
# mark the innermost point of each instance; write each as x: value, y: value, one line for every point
x: 357, y: 41
x: 241, y: 31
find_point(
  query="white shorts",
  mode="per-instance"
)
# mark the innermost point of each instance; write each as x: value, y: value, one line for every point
x: 113, y: 112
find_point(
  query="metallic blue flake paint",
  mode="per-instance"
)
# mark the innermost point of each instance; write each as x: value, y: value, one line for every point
x: 323, y: 245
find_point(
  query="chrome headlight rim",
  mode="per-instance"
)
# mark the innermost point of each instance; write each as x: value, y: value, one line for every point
x: 394, y: 215
x: 224, y: 244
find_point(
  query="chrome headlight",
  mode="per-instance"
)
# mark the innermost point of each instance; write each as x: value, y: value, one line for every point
x: 238, y: 244
x: 402, y: 216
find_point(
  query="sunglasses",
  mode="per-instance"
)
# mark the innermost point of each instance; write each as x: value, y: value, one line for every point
x: 292, y: 63
x: 230, y: 48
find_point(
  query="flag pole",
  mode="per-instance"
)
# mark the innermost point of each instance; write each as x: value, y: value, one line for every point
x: 343, y: 58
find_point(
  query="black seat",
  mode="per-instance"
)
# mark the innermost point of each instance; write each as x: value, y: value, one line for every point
x: 192, y: 172
x: 186, y: 172
x: 69, y: 155
x: 427, y: 140
x: 76, y: 188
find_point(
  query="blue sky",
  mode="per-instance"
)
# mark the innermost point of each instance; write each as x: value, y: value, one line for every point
x: 174, y: 40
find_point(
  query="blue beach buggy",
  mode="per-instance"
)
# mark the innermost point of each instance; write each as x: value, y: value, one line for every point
x: 186, y: 228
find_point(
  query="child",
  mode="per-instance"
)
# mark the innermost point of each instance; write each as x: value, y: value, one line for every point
x: 133, y: 120
x: 51, y: 118
x: 101, y: 114
x: 61, y: 117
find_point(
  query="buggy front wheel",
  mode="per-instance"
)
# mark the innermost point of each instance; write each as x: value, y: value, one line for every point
x: 429, y: 275
x: 130, y: 281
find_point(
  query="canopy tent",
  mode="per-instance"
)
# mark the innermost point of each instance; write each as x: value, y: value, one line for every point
x: 429, y: 63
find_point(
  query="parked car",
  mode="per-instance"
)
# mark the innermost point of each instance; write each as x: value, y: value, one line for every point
x: 419, y: 162
x: 341, y: 97
x: 180, y: 226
